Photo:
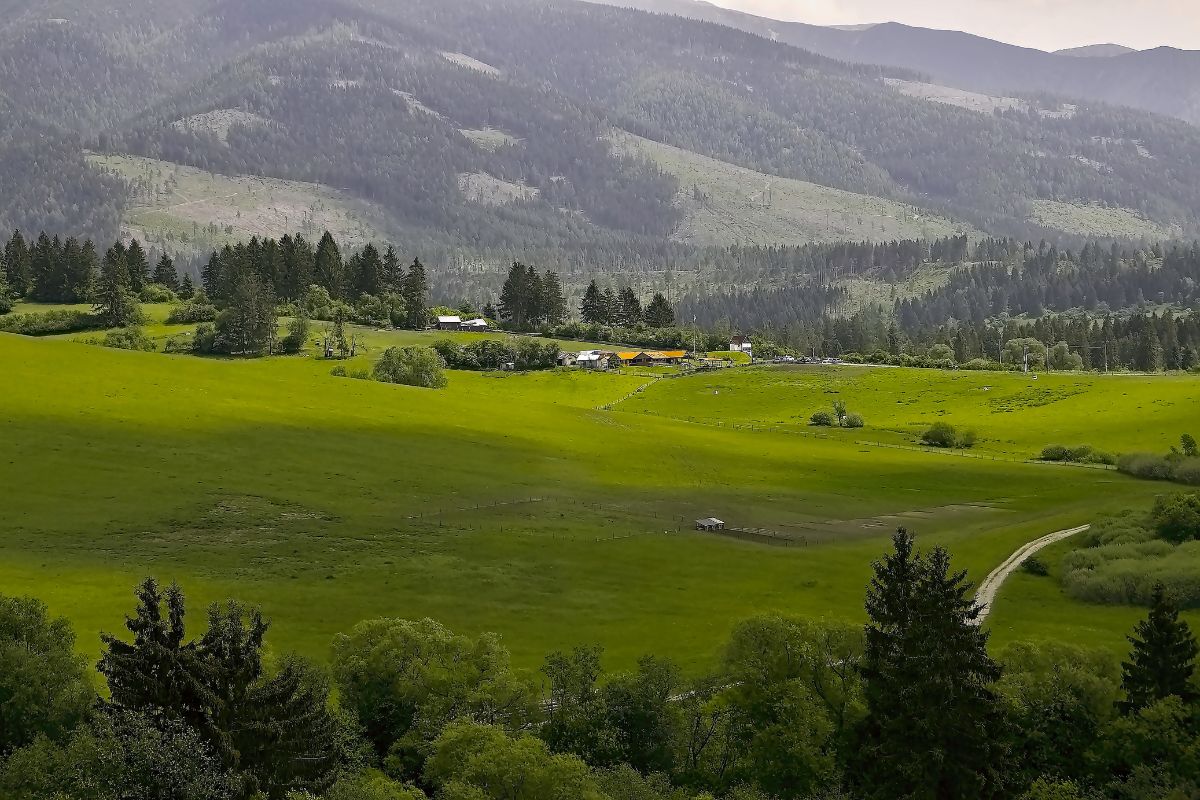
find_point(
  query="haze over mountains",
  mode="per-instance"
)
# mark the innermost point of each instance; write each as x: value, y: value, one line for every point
x: 1164, y: 80
x: 606, y: 135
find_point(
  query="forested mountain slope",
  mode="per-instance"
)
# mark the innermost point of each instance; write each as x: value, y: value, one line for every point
x: 489, y: 124
x: 1162, y: 80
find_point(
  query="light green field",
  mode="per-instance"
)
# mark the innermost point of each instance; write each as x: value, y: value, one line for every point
x: 178, y: 207
x: 747, y: 207
x: 1013, y: 414
x: 505, y: 502
x: 1092, y: 220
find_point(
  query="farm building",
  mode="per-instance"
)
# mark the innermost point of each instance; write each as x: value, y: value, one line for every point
x: 710, y: 524
x: 635, y: 359
x: 741, y: 344
x: 668, y: 356
x: 594, y: 359
x: 567, y: 359
x: 449, y: 323
x: 475, y: 326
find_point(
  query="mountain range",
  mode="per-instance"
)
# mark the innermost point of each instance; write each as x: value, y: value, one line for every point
x: 589, y: 136
x: 1163, y: 80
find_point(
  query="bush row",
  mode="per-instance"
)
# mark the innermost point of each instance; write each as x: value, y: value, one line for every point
x: 524, y: 354
x: 1151, y: 466
x: 49, y: 323
x: 1083, y: 454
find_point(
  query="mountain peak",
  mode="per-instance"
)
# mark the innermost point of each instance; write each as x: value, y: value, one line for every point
x: 1096, y: 51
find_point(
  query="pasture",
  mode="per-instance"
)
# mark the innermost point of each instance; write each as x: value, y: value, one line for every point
x: 505, y: 502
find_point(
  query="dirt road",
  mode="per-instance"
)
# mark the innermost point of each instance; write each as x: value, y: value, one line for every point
x: 987, y: 590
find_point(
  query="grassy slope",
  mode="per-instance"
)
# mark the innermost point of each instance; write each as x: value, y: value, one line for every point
x: 173, y: 204
x: 276, y: 483
x: 799, y: 212
x: 1014, y: 415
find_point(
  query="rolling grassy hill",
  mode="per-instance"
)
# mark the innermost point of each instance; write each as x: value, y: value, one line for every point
x: 506, y: 502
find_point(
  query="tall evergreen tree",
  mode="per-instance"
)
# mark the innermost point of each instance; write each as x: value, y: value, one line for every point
x: 330, y: 271
x: 393, y: 273
x: 612, y: 307
x: 592, y: 308
x: 368, y: 275
x: 17, y: 263
x: 187, y: 287
x: 1163, y: 658
x: 932, y: 728
x: 47, y: 271
x: 139, y: 266
x: 554, y: 302
x: 659, y: 313
x: 165, y: 274
x: 211, y: 278
x: 630, y: 313
x: 416, y: 296
x: 519, y: 298
x: 79, y: 270
x: 115, y: 303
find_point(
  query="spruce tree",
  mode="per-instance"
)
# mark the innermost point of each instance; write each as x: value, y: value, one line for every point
x: 17, y: 263
x: 164, y: 273
x: 659, y: 313
x: 612, y: 307
x: 46, y: 271
x: 211, y: 278
x: 393, y: 273
x: 592, y: 307
x: 416, y: 297
x: 630, y: 313
x: 330, y: 272
x: 515, y: 297
x: 187, y: 287
x: 554, y: 302
x: 368, y: 275
x: 1163, y: 657
x: 933, y: 723
x: 139, y: 266
x: 115, y: 304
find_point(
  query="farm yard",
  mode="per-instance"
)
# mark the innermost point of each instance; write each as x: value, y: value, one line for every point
x: 513, y: 503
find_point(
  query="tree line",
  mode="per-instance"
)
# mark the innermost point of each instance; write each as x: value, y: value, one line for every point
x: 910, y: 706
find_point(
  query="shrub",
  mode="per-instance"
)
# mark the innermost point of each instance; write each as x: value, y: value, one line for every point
x: 1176, y: 517
x: 940, y: 434
x: 132, y: 338
x: 966, y: 440
x: 157, y: 293
x: 1126, y: 574
x: 1035, y: 566
x: 1187, y: 471
x: 338, y: 372
x: 980, y: 365
x: 49, y: 323
x: 297, y: 335
x: 206, y: 340
x: 411, y: 366
x: 822, y: 419
x: 1145, y: 465
x: 1083, y: 454
x: 179, y: 343
x: 6, y: 302
x: 188, y: 313
x: 853, y: 421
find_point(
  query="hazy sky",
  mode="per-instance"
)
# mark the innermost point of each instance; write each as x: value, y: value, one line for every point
x: 1045, y: 24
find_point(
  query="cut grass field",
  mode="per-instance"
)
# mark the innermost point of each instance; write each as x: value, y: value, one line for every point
x: 505, y: 502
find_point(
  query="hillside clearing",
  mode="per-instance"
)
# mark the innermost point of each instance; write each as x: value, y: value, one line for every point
x: 178, y: 207
x: 1099, y: 221
x: 727, y: 204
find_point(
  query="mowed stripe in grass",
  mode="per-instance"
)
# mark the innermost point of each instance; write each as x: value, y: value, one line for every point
x: 329, y: 500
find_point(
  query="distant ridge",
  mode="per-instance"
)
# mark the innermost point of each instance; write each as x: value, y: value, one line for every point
x: 1096, y: 51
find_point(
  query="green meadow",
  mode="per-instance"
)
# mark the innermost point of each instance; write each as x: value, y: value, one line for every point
x: 515, y: 503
